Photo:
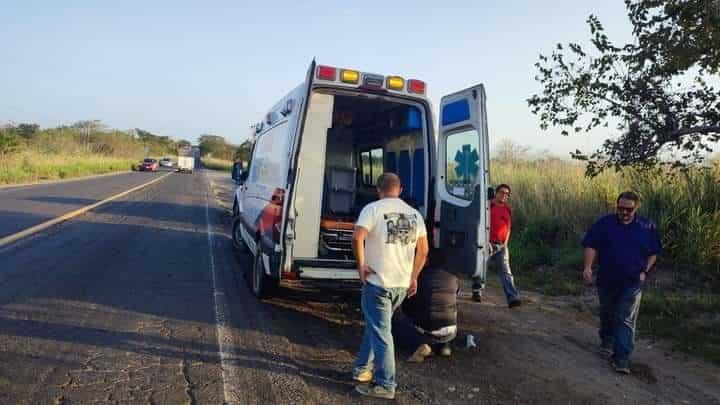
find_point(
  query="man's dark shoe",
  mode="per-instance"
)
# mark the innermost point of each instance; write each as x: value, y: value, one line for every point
x: 375, y: 391
x: 621, y: 366
x: 477, y: 297
x: 515, y: 303
x: 606, y: 351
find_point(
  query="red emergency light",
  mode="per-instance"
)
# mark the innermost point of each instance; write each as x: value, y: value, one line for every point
x: 416, y: 86
x: 326, y: 72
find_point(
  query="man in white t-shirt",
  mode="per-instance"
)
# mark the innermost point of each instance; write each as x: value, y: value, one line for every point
x: 390, y: 245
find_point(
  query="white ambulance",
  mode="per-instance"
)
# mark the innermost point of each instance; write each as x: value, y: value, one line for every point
x: 316, y: 158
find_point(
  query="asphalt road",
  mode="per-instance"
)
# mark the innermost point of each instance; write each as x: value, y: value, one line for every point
x: 23, y: 207
x: 142, y: 300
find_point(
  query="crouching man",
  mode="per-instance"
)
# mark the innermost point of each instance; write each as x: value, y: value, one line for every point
x: 429, y: 323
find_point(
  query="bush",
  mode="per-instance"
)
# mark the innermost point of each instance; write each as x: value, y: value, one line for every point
x: 217, y: 164
x: 9, y: 143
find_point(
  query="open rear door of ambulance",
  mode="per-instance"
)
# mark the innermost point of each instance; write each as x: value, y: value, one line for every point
x: 462, y: 210
x: 288, y: 234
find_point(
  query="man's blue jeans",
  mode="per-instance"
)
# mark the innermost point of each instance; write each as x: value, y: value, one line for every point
x: 619, y: 308
x: 501, y: 256
x: 377, y: 352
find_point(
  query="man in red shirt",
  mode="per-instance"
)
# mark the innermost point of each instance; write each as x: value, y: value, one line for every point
x: 500, y: 224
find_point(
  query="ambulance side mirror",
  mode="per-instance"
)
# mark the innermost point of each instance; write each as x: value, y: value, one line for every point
x: 490, y: 193
x: 237, y: 173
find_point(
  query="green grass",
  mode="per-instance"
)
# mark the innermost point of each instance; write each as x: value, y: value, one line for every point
x: 689, y: 320
x: 217, y: 164
x: 552, y: 282
x: 28, y: 167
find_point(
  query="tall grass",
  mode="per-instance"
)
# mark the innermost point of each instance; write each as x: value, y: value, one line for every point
x: 28, y: 153
x: 554, y: 204
x: 27, y: 167
x: 217, y: 164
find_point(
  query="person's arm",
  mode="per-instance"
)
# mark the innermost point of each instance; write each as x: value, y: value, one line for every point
x: 654, y: 251
x: 507, y: 239
x: 421, y: 252
x: 358, y: 245
x: 650, y: 263
x: 589, y: 255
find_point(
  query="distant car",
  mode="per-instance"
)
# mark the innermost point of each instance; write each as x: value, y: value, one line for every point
x: 149, y: 165
x: 166, y: 162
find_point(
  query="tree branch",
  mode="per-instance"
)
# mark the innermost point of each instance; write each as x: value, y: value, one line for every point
x: 707, y: 129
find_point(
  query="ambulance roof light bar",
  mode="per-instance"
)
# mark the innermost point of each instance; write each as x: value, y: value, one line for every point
x: 370, y: 80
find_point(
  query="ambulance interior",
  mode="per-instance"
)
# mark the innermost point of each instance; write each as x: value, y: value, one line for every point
x: 368, y: 136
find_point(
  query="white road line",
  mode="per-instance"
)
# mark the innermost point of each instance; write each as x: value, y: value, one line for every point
x: 222, y: 314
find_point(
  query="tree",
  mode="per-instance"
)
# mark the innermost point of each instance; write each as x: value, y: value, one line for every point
x: 508, y: 151
x: 8, y: 142
x: 656, y: 93
x: 216, y: 146
x: 244, y: 151
x: 27, y: 130
x: 87, y: 128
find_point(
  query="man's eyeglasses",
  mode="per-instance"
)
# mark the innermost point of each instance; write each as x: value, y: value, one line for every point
x: 507, y: 193
x: 625, y: 209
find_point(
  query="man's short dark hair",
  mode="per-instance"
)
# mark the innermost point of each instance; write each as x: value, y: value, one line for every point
x: 388, y: 181
x: 503, y: 186
x: 629, y: 195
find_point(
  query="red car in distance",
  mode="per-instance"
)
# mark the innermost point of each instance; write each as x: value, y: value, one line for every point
x: 149, y: 165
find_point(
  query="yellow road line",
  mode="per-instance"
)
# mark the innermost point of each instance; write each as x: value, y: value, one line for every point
x: 40, y: 227
x: 60, y: 181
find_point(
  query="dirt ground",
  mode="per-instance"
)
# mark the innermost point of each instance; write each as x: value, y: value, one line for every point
x: 543, y: 352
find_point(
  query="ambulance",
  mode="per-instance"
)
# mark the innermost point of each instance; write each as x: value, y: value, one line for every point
x: 316, y: 157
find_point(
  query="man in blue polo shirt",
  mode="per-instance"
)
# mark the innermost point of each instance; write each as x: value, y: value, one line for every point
x: 626, y: 246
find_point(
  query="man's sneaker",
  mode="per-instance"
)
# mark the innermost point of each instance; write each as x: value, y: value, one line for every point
x: 514, y: 303
x: 364, y: 377
x: 621, y: 366
x: 375, y: 391
x: 446, y: 351
x: 422, y: 351
x: 477, y: 296
x: 606, y: 351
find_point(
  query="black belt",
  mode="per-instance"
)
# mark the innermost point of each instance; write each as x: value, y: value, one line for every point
x: 494, y: 242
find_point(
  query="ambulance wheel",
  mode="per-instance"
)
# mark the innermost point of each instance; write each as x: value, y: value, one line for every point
x: 262, y: 285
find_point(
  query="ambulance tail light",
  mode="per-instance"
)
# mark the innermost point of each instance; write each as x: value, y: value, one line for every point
x: 416, y: 86
x: 276, y: 202
x: 326, y: 73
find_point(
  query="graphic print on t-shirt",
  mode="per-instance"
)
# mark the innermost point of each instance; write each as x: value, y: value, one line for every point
x: 401, y: 228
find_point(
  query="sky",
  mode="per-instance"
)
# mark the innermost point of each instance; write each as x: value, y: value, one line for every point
x: 184, y: 68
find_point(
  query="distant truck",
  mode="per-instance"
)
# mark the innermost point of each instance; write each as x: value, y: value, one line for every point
x: 186, y: 160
